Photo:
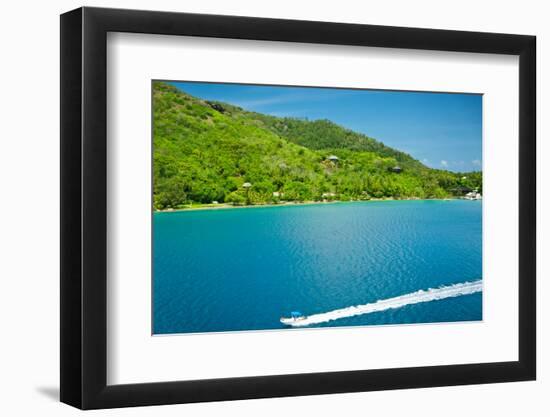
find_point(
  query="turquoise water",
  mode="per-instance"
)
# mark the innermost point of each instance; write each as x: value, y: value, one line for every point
x: 242, y: 269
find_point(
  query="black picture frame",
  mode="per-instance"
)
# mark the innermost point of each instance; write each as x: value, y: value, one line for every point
x: 84, y: 207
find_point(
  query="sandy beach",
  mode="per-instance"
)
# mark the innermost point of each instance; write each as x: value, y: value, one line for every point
x: 225, y: 206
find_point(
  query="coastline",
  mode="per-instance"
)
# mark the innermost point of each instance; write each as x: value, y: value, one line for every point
x: 224, y: 206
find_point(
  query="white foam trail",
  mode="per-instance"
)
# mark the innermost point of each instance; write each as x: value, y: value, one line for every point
x: 421, y: 296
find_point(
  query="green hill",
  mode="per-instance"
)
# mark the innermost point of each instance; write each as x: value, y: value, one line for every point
x: 206, y: 151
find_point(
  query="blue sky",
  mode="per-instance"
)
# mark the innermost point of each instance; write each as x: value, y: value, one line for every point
x: 441, y: 130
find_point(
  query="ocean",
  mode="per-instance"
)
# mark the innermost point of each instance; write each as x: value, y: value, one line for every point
x: 340, y: 264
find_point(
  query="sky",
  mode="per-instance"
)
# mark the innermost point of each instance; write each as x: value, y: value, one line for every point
x: 441, y: 130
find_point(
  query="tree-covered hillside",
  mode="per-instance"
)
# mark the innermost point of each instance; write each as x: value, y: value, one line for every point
x: 208, y: 152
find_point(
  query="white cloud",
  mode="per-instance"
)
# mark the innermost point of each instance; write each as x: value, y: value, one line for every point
x: 444, y: 163
x: 288, y: 97
x: 476, y: 162
x: 282, y: 99
x: 292, y: 113
x: 425, y: 161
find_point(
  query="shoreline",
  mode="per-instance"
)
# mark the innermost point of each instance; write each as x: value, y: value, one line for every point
x: 224, y: 206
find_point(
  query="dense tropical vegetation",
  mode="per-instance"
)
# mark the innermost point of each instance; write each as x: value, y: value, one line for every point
x: 207, y: 152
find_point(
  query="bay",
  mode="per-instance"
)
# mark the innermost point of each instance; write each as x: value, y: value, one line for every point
x: 242, y: 269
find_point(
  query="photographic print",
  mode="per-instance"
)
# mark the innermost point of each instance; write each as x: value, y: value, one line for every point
x: 283, y: 207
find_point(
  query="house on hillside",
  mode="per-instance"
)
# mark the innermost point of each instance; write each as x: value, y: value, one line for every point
x: 473, y: 195
x: 333, y: 158
x: 397, y: 169
x: 328, y: 196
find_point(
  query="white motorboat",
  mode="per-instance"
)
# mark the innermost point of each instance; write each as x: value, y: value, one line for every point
x: 295, y: 316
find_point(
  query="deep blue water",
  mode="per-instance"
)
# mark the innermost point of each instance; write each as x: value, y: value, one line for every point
x: 242, y: 269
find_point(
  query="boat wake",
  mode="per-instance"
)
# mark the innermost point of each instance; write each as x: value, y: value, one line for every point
x: 421, y: 296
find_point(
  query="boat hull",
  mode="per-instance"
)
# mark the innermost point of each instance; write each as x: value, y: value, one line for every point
x: 291, y: 321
